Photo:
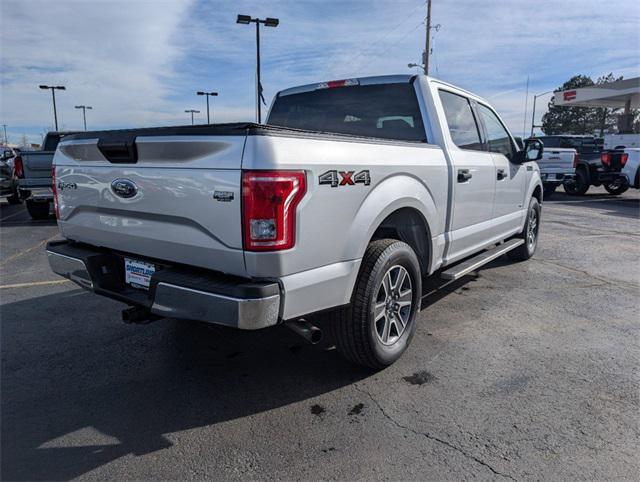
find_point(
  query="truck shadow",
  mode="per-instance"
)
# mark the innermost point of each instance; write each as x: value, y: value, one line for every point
x: 79, y: 392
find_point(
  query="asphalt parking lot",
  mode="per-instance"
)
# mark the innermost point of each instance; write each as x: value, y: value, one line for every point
x: 525, y: 371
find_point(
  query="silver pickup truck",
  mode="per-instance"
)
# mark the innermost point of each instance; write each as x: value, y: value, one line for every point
x: 34, y: 175
x: 349, y: 196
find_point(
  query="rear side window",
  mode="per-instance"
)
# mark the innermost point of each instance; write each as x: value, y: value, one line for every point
x: 388, y: 111
x: 462, y: 124
x: 498, y: 138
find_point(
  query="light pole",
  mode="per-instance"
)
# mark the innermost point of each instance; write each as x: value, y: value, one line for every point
x: 53, y: 93
x: 192, y: 111
x: 208, y: 94
x: 6, y: 140
x: 84, y: 113
x: 533, y: 115
x: 268, y: 22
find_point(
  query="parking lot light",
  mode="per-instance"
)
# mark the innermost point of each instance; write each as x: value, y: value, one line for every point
x: 208, y: 94
x: 192, y: 111
x: 267, y: 22
x: 53, y: 93
x: 84, y: 113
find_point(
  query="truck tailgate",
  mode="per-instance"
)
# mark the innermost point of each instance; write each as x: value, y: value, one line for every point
x: 557, y: 160
x: 37, y: 164
x: 175, y: 199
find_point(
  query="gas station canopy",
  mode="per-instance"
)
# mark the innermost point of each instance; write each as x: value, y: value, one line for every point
x: 622, y: 93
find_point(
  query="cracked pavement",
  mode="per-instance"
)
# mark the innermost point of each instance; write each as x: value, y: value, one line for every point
x: 524, y: 371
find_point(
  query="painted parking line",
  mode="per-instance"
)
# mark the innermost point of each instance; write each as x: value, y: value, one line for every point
x: 35, y: 283
x: 12, y: 215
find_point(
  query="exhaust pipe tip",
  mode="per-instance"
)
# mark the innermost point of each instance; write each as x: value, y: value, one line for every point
x: 306, y: 330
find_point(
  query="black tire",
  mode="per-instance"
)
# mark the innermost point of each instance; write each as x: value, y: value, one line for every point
x: 38, y: 210
x: 579, y: 186
x: 15, y: 199
x: 616, y: 189
x: 548, y: 190
x: 529, y: 233
x: 357, y: 335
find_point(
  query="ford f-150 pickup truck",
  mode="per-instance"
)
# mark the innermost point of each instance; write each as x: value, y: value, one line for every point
x: 34, y: 175
x: 351, y: 193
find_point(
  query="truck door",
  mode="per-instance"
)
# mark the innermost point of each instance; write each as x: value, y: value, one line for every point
x: 473, y: 178
x: 510, y: 179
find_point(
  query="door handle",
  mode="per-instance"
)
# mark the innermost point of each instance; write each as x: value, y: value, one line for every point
x: 464, y: 175
x: 501, y: 174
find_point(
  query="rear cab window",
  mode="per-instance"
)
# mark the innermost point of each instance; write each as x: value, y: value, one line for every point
x: 386, y: 111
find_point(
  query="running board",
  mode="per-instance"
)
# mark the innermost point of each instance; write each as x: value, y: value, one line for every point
x: 483, y: 258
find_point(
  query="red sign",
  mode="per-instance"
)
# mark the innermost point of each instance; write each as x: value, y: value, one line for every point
x: 569, y: 95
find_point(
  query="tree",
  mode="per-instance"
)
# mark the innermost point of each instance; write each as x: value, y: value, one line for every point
x: 569, y: 120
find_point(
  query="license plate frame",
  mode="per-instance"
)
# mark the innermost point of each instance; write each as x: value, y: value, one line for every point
x: 137, y: 273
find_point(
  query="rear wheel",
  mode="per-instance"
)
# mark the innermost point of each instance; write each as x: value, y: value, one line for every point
x: 378, y: 326
x: 579, y: 185
x: 14, y: 199
x: 616, y: 188
x: 38, y: 210
x: 529, y: 233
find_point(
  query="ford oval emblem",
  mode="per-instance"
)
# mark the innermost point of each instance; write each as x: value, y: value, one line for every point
x: 124, y: 188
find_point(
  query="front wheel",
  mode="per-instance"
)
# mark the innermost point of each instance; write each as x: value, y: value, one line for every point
x: 378, y: 326
x: 616, y: 188
x: 38, y: 210
x: 529, y: 233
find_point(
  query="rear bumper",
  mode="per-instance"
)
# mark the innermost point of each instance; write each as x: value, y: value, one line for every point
x: 556, y: 177
x: 174, y: 291
x: 36, y: 193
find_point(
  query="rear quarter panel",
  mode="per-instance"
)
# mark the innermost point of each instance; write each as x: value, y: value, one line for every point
x: 335, y: 224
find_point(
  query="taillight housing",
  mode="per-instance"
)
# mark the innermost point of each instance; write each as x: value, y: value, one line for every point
x: 269, y: 202
x: 18, y: 167
x: 605, y: 158
x: 576, y: 160
x: 54, y: 188
x: 624, y: 157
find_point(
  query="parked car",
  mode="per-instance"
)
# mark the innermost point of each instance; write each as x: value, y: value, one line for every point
x: 557, y: 167
x: 8, y: 178
x: 34, y: 168
x: 352, y: 193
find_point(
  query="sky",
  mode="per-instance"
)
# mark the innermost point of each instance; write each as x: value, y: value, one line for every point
x: 139, y: 63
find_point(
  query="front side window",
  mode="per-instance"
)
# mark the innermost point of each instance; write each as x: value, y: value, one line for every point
x: 462, y: 124
x: 498, y: 138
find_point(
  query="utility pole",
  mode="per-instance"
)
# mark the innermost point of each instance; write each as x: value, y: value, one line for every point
x: 6, y: 140
x: 427, y: 47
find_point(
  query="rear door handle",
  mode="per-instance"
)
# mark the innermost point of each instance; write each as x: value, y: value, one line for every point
x: 464, y: 175
x: 501, y: 174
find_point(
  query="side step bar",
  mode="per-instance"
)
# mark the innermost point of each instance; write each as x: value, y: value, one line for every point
x: 459, y: 270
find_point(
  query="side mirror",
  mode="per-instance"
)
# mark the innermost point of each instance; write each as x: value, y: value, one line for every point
x: 7, y: 154
x: 533, y: 149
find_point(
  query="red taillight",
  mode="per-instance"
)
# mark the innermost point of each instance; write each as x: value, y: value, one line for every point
x: 18, y: 168
x: 333, y: 84
x: 55, y: 192
x: 269, y: 201
x: 576, y: 160
x: 605, y: 158
x: 624, y: 157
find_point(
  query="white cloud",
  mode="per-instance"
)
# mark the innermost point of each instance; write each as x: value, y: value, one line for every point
x: 140, y: 62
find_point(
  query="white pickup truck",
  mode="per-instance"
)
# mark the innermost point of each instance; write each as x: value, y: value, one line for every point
x: 352, y: 193
x: 558, y: 163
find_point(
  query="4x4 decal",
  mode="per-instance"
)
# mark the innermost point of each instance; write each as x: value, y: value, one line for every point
x: 344, y: 178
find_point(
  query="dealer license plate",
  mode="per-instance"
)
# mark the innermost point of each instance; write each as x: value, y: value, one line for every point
x: 138, y: 273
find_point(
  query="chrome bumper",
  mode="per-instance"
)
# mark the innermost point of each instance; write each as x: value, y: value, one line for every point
x: 175, y: 301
